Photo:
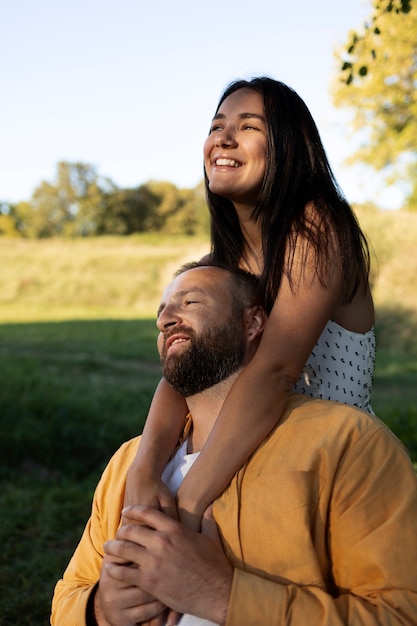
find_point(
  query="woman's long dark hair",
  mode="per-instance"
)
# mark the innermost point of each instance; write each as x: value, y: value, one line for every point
x: 297, y: 173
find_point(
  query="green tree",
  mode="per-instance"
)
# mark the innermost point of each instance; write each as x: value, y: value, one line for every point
x: 128, y: 211
x: 22, y: 216
x: 155, y: 206
x: 79, y: 202
x: 8, y: 227
x: 377, y: 81
x: 71, y: 205
x: 192, y: 216
x: 168, y: 204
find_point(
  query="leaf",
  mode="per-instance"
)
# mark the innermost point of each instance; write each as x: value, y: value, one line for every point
x: 405, y: 6
x: 380, y: 90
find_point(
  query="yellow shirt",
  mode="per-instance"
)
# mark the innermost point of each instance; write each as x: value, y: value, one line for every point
x: 320, y: 525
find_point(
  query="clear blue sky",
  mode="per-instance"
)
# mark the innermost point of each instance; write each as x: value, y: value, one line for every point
x: 130, y: 86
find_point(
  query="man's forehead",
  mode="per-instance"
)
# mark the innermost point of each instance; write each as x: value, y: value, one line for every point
x: 204, y: 279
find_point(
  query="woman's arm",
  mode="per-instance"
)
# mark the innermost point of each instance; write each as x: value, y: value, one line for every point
x: 257, y: 399
x: 162, y: 429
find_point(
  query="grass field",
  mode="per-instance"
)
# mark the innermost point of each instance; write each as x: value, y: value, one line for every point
x: 79, y: 366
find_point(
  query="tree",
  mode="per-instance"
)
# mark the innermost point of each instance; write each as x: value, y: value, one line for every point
x: 71, y: 205
x: 79, y: 202
x: 7, y: 222
x: 192, y: 216
x: 178, y: 211
x: 377, y: 81
x: 358, y: 54
x: 129, y: 211
x: 23, y: 216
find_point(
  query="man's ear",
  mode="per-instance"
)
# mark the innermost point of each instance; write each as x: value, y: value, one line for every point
x: 255, y: 322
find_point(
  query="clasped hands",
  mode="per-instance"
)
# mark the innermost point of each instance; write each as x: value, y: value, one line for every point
x: 156, y: 562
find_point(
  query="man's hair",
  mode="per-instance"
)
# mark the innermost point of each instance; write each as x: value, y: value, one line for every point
x: 244, y: 286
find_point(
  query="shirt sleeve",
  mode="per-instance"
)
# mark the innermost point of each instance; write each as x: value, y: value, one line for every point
x: 72, y: 591
x: 372, y: 543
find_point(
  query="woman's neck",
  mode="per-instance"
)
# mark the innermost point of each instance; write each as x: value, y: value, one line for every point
x: 252, y: 257
x: 252, y: 261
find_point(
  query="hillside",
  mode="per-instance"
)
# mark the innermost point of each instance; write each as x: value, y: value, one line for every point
x: 58, y: 279
x: 393, y: 241
x: 124, y: 276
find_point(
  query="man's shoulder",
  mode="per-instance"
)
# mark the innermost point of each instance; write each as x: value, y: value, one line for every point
x: 312, y: 427
x: 328, y: 414
x: 123, y: 457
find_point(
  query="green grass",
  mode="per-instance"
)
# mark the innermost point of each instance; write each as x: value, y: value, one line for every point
x: 42, y: 519
x: 79, y: 367
x: 75, y: 391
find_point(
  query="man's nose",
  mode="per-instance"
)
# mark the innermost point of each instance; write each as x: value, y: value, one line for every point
x: 167, y: 318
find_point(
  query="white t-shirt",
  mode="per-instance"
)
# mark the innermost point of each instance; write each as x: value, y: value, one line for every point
x: 177, y: 468
x: 172, y: 476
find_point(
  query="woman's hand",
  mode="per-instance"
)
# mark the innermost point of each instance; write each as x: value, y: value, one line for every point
x: 190, y: 510
x: 146, y: 488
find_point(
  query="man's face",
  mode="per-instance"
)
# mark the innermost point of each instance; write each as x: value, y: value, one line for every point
x: 199, y: 342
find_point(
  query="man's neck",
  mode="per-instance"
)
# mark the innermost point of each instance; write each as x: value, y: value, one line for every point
x: 205, y: 408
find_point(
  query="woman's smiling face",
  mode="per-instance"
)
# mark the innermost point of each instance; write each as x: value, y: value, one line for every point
x: 235, y: 150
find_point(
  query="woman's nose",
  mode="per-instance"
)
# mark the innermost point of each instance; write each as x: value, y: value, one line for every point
x: 225, y: 139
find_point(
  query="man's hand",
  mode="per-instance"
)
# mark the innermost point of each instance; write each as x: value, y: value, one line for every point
x: 184, y: 570
x: 146, y: 488
x: 117, y: 603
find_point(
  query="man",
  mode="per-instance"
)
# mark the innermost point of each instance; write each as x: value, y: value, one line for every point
x: 319, y: 527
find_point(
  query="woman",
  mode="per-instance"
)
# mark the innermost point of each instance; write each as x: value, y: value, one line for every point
x: 276, y: 211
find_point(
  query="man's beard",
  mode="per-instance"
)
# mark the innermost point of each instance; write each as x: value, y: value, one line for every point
x: 210, y: 358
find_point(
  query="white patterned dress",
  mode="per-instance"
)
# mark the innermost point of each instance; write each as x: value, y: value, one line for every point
x: 340, y: 367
